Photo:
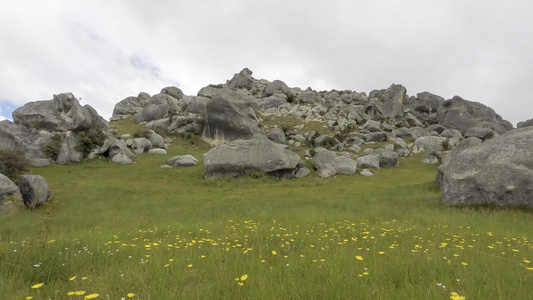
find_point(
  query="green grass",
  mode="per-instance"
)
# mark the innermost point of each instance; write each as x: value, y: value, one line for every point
x: 170, y: 234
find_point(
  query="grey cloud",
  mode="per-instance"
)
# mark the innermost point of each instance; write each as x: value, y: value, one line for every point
x: 105, y: 51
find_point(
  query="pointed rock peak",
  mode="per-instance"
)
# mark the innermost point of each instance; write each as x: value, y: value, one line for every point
x: 246, y: 72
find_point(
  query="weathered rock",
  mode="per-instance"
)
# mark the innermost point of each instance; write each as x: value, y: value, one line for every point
x: 68, y: 154
x: 173, y: 91
x: 182, y: 161
x: 242, y: 157
x: 376, y: 137
x: 387, y: 158
x: 466, y: 143
x: 276, y: 135
x: 386, y: 103
x: 461, y: 114
x: 433, y: 143
x: 157, y: 140
x: 366, y: 173
x: 62, y: 113
x: 161, y: 125
x: 158, y: 106
x: 437, y: 128
x: 28, y: 141
x: 525, y: 123
x: 157, y: 151
x: 431, y: 158
x: 480, y: 133
x: 8, y: 189
x: 230, y: 118
x: 34, y: 190
x: 198, y: 106
x: 368, y: 162
x: 121, y: 158
x: 141, y: 145
x: 330, y: 164
x: 131, y: 105
x: 404, y: 133
x: 372, y: 126
x: 496, y: 172
x: 302, y: 172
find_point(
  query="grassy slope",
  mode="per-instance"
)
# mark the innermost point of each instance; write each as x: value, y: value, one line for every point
x: 104, y: 220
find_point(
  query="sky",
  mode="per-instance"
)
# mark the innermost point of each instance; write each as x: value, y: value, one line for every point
x: 104, y: 51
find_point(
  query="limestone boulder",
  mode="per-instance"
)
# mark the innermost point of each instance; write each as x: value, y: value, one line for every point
x: 277, y: 135
x: 329, y: 164
x: 62, y: 113
x: 498, y: 171
x: 242, y: 157
x: 34, y: 189
x: 28, y: 141
x: 121, y: 158
x: 368, y: 162
x: 182, y: 161
x: 230, y: 117
x: 433, y: 143
x: 386, y: 103
x: 461, y: 114
x: 8, y: 189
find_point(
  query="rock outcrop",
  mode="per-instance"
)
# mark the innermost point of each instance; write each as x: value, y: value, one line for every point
x: 8, y: 189
x: 34, y: 189
x: 242, y: 157
x: 498, y: 171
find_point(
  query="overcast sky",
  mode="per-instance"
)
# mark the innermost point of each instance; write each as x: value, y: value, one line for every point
x: 104, y: 51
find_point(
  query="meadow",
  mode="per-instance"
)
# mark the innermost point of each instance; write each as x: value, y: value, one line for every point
x: 142, y: 232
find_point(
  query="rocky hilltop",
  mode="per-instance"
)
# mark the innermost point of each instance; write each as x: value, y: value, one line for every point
x: 232, y: 117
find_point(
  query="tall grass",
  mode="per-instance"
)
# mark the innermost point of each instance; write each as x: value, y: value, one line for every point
x: 158, y: 233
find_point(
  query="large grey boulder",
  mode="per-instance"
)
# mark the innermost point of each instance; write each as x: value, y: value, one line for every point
x: 62, y: 113
x: 461, y: 114
x: 230, y: 117
x: 496, y: 172
x: 386, y: 103
x: 34, y: 190
x: 242, y: 157
x: 466, y: 143
x: 28, y: 141
x: 8, y: 189
x: 526, y: 123
x: 368, y: 161
x: 387, y: 158
x: 328, y: 163
x: 131, y: 105
x: 159, y: 106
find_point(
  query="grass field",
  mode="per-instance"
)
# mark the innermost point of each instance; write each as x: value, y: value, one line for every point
x: 142, y: 232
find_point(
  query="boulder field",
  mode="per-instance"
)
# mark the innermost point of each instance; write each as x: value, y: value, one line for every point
x: 231, y: 117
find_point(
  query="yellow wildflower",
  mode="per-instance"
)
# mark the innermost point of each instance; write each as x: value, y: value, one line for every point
x: 240, y: 283
x: 36, y: 286
x: 79, y: 293
x: 244, y: 277
x: 455, y: 296
x: 29, y: 297
x: 189, y: 266
x: 130, y: 295
x: 72, y: 278
x: 274, y: 252
x: 91, y: 296
x: 464, y: 264
x: 359, y: 257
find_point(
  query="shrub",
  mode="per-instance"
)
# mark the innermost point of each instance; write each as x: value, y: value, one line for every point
x: 140, y: 133
x: 13, y: 164
x: 446, y: 145
x: 53, y: 147
x: 90, y: 139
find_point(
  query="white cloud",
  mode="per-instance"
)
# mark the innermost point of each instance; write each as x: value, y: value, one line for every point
x: 105, y: 51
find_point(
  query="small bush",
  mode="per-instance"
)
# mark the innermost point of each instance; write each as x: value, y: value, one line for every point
x: 13, y: 164
x: 53, y: 147
x: 446, y: 145
x: 90, y: 139
x: 140, y: 133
